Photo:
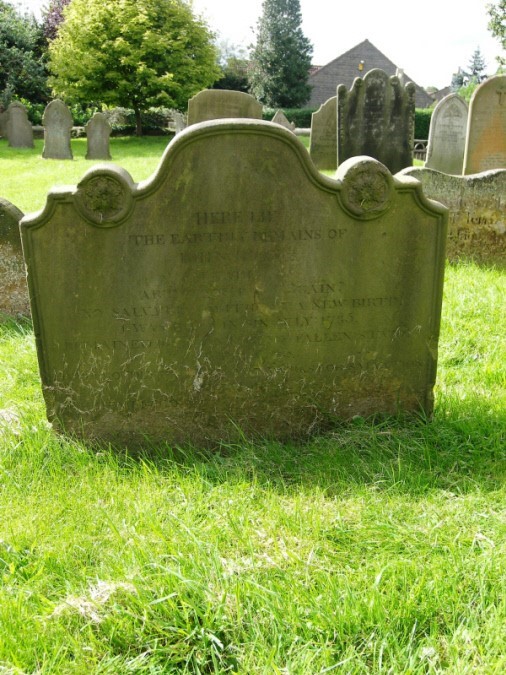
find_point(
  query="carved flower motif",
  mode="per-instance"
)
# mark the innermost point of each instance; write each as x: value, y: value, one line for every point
x: 103, y: 196
x: 368, y: 191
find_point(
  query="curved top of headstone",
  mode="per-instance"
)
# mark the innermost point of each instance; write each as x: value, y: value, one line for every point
x: 377, y: 76
x: 447, y: 135
x: 57, y: 114
x: 211, y: 104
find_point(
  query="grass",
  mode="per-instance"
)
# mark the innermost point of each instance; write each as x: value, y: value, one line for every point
x: 372, y: 549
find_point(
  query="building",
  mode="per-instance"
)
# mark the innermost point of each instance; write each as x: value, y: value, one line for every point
x: 356, y: 62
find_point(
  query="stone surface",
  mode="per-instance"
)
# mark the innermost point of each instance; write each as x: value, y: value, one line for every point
x: 477, y: 219
x: 447, y: 135
x: 281, y: 118
x: 237, y: 290
x: 376, y: 117
x: 3, y: 122
x: 98, y: 131
x: 178, y: 121
x: 213, y: 104
x: 486, y: 132
x: 323, y: 143
x: 19, y: 129
x: 13, y: 288
x: 57, y: 123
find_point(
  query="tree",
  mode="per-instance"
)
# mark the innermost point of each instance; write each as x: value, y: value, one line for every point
x: 132, y: 53
x: 22, y: 70
x: 476, y: 67
x: 497, y: 25
x: 234, y: 68
x: 281, y: 57
x: 53, y: 17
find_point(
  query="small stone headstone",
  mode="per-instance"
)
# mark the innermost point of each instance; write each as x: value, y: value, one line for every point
x: 323, y: 143
x: 178, y: 120
x: 3, y: 122
x: 447, y: 135
x: 19, y: 129
x: 57, y: 123
x: 98, y: 131
x: 13, y: 288
x: 281, y: 118
x: 477, y: 219
x: 213, y: 104
x: 376, y: 117
x: 486, y: 130
x: 237, y: 291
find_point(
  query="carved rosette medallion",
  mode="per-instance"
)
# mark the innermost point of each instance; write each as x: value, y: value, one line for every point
x: 103, y: 199
x: 367, y: 190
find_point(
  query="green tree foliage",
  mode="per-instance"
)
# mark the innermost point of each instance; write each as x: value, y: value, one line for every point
x: 497, y: 25
x: 22, y: 70
x: 234, y: 67
x: 476, y: 67
x: 281, y: 57
x: 132, y: 53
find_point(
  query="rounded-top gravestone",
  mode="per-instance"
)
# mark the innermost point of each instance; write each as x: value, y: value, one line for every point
x: 57, y: 122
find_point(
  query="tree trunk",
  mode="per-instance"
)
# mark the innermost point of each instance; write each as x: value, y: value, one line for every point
x: 138, y: 123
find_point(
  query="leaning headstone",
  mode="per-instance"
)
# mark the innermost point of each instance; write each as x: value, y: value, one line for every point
x: 281, y: 118
x: 447, y: 135
x: 323, y: 143
x: 477, y: 219
x: 486, y: 131
x: 57, y: 122
x: 13, y: 288
x: 213, y: 104
x: 19, y: 129
x: 376, y: 117
x: 238, y: 291
x: 98, y: 131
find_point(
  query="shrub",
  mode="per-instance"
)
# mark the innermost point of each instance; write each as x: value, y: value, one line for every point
x: 422, y: 123
x: 301, y: 117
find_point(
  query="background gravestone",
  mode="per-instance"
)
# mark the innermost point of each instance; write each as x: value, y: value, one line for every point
x: 98, y: 131
x: 281, y: 118
x: 486, y: 130
x: 237, y: 291
x: 323, y: 143
x: 376, y: 117
x: 447, y: 135
x: 3, y: 122
x: 19, y: 129
x: 13, y: 288
x: 213, y: 104
x: 57, y: 123
x: 477, y: 219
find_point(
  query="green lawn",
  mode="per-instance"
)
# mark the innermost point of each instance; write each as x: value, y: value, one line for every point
x: 372, y: 549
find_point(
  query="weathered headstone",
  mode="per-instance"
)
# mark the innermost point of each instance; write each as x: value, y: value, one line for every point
x: 57, y: 122
x: 178, y: 121
x: 323, y: 143
x: 237, y: 291
x: 98, y: 131
x: 486, y: 131
x: 19, y: 129
x: 213, y: 104
x: 477, y: 219
x: 376, y: 117
x: 281, y: 118
x: 447, y: 135
x: 13, y: 288
x: 3, y: 122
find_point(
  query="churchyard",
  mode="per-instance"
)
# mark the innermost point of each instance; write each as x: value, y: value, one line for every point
x: 225, y: 443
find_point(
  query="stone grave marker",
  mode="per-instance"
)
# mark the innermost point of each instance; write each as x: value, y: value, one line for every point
x: 178, y: 121
x: 477, y: 219
x: 447, y: 135
x: 376, y: 117
x: 57, y: 123
x: 3, y: 122
x: 323, y: 142
x: 213, y: 104
x: 13, y: 288
x: 236, y: 291
x: 98, y: 131
x: 486, y: 130
x: 281, y: 118
x: 19, y: 129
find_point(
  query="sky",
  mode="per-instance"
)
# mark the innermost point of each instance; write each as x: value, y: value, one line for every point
x: 429, y: 40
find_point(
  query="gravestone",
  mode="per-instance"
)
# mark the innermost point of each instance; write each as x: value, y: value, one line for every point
x: 98, y: 131
x: 57, y: 123
x: 376, y: 117
x: 281, y: 118
x: 13, y: 288
x: 19, y: 129
x: 213, y: 104
x: 477, y: 219
x: 447, y: 135
x: 236, y: 291
x: 323, y: 142
x: 178, y: 121
x: 3, y: 122
x: 486, y: 130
